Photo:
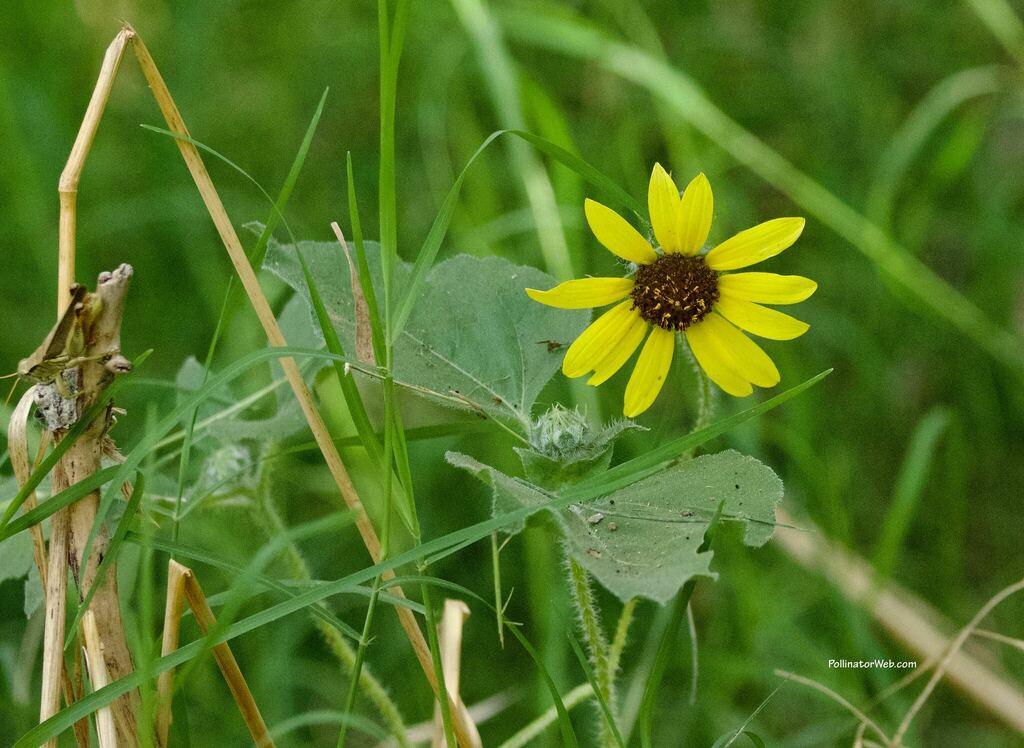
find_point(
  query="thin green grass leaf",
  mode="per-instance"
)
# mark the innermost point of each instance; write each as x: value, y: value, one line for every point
x: 910, y: 484
x: 651, y: 688
x: 438, y: 230
x: 688, y: 100
x: 592, y: 679
x: 64, y: 719
x: 177, y: 550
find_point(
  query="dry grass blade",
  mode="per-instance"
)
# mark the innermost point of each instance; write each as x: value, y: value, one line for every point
x: 861, y: 716
x: 172, y: 626
x: 909, y: 620
x: 1001, y: 638
x: 455, y: 614
x: 105, y: 729
x: 951, y: 652
x: 17, y: 445
x: 225, y: 659
x: 464, y: 727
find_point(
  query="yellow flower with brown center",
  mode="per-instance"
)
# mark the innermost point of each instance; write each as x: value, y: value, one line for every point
x: 676, y: 288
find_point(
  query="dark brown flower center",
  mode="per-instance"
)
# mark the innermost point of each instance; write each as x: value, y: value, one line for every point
x: 675, y: 291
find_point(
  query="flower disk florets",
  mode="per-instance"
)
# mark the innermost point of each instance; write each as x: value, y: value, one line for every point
x: 675, y: 291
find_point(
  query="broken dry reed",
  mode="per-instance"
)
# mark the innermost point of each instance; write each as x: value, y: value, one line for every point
x: 68, y: 198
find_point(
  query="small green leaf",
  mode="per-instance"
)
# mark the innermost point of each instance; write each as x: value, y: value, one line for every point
x: 644, y: 540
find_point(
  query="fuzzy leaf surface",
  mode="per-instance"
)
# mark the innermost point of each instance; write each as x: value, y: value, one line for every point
x: 474, y: 334
x: 642, y: 540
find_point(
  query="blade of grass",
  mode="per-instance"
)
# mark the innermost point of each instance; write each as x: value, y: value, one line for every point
x: 354, y: 401
x: 592, y: 679
x: 1004, y: 23
x: 499, y: 72
x: 910, y: 483
x: 439, y: 228
x: 940, y: 102
x: 364, y: 640
x: 682, y: 602
x: 67, y: 716
x: 365, y: 279
x: 176, y: 550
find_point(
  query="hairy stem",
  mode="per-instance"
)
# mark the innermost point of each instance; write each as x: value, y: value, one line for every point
x: 372, y: 688
x: 594, y: 638
x: 621, y: 638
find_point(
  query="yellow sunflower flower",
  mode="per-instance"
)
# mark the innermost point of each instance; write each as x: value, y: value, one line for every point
x: 676, y: 288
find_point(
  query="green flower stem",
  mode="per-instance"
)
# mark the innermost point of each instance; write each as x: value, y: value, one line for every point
x: 621, y: 638
x: 534, y: 729
x: 593, y: 636
x: 372, y: 688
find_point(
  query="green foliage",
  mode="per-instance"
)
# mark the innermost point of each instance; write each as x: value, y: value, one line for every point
x: 643, y: 540
x: 476, y: 339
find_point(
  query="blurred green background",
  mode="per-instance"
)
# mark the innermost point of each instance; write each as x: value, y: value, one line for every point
x: 910, y: 113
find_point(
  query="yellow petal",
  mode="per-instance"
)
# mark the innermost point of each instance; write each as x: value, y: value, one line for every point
x: 604, y: 333
x: 695, y: 210
x: 754, y: 245
x: 767, y: 288
x: 620, y: 354
x: 584, y: 293
x: 663, y: 204
x: 760, y: 320
x: 748, y: 360
x: 616, y: 234
x: 714, y: 358
x: 650, y: 372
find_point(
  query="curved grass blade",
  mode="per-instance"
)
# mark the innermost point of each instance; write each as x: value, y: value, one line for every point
x: 57, y: 502
x: 432, y: 548
x: 183, y: 551
x: 431, y: 245
x: 592, y: 678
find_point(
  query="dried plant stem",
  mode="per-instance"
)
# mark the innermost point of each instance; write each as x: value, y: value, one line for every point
x: 452, y: 619
x: 954, y: 647
x: 862, y: 718
x: 17, y: 446
x: 105, y: 729
x: 68, y: 188
x: 182, y: 583
x: 56, y: 609
x: 594, y: 638
x: 173, y: 607
x: 908, y: 619
x: 464, y: 727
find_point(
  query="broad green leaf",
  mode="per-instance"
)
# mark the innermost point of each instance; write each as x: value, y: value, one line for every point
x: 475, y: 336
x: 643, y: 540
